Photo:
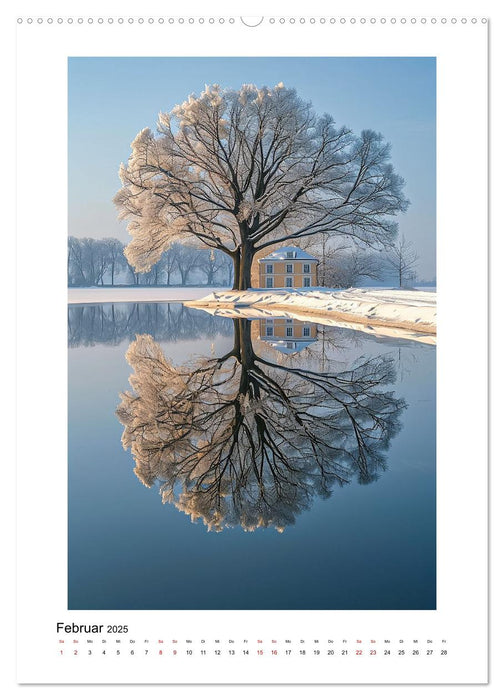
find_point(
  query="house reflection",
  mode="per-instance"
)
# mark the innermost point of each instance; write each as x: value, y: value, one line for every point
x: 244, y: 440
x: 288, y: 335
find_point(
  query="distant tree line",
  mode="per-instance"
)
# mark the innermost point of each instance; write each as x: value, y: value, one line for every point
x: 110, y: 324
x: 96, y: 262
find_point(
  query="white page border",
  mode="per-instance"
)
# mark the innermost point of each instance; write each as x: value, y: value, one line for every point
x: 461, y: 60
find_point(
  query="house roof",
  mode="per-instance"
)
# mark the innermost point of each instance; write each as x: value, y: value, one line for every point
x: 281, y: 254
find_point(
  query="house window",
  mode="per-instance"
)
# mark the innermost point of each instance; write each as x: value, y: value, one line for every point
x: 288, y: 268
x: 306, y: 331
x: 307, y: 282
x: 288, y: 331
x: 288, y: 320
x: 306, y: 267
x: 269, y: 320
x: 288, y: 281
x: 290, y: 254
x: 269, y: 330
x: 289, y: 345
x: 269, y: 269
x: 269, y: 282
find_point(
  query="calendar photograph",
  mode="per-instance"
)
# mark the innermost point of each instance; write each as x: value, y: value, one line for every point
x: 252, y: 333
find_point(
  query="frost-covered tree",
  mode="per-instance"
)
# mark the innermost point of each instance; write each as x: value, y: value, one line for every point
x: 168, y: 262
x: 353, y: 266
x: 88, y: 261
x: 75, y: 263
x: 401, y: 260
x: 237, y: 170
x: 228, y: 270
x: 114, y: 250
x: 187, y: 261
x: 211, y: 262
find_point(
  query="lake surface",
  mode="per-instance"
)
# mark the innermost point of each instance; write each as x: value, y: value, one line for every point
x: 218, y: 463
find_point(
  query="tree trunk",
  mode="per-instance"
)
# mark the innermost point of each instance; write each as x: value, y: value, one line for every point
x: 323, y: 259
x: 236, y: 269
x: 245, y: 342
x: 247, y: 256
x: 243, y: 268
x: 243, y: 339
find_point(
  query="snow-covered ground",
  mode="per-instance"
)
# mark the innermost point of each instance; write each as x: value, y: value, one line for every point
x: 256, y: 313
x: 100, y: 295
x: 393, y: 311
x: 395, y: 308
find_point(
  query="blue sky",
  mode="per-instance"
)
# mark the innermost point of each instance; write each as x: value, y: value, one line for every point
x: 112, y: 99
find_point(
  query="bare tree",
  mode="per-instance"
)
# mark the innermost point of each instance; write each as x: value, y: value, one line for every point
x: 236, y: 170
x: 353, y: 266
x: 115, y: 252
x: 228, y: 268
x: 134, y: 276
x: 154, y: 275
x: 211, y: 262
x: 88, y: 261
x: 101, y: 259
x: 76, y: 272
x: 168, y: 262
x: 401, y: 260
x: 329, y: 252
x: 187, y: 261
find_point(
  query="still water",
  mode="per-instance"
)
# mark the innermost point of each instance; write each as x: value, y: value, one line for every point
x: 219, y: 463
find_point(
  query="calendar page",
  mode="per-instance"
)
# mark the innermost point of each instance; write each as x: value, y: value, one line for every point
x: 255, y: 459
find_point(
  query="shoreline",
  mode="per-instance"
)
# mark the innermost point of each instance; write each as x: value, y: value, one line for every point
x: 413, y: 311
x: 427, y: 328
x: 392, y: 308
x: 380, y: 331
x: 117, y: 295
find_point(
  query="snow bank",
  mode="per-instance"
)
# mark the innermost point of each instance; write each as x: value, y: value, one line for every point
x: 252, y: 313
x: 396, y: 308
x: 394, y: 311
x: 100, y: 295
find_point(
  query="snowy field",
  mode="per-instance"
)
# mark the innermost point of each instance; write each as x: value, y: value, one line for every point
x: 101, y: 295
x: 396, y: 308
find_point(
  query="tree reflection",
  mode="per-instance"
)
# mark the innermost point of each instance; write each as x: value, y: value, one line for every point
x: 242, y: 440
